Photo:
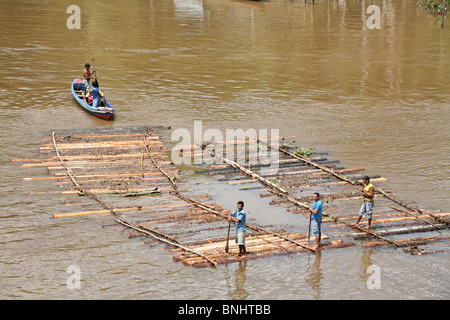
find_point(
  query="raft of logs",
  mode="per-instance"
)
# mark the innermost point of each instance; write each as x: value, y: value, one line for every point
x: 126, y: 176
x: 298, y: 177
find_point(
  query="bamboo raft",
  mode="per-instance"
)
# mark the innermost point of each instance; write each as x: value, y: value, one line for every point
x: 125, y: 175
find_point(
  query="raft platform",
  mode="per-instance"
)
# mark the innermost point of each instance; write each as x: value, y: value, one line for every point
x: 125, y: 178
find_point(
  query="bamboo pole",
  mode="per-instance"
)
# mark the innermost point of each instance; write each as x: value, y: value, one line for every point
x: 152, y: 158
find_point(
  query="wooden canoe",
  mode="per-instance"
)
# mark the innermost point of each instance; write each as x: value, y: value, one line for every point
x: 104, y: 112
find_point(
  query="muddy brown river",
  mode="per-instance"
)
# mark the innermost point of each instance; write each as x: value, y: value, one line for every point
x: 371, y: 91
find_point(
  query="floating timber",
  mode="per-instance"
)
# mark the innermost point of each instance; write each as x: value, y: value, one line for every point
x: 125, y: 178
x: 297, y: 177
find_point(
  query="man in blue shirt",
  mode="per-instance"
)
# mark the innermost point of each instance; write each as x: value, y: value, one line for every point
x: 316, y: 219
x: 239, y: 216
x: 96, y: 93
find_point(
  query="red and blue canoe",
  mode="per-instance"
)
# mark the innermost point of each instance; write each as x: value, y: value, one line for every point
x: 104, y: 111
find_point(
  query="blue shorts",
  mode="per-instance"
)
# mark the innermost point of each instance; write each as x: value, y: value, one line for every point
x: 366, y: 209
x: 95, y: 103
x: 316, y: 225
x: 240, y: 238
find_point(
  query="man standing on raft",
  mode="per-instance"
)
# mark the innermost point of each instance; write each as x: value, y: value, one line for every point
x: 316, y: 219
x: 367, y: 206
x: 239, y: 217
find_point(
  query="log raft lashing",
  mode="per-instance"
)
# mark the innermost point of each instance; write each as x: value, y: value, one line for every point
x: 129, y: 174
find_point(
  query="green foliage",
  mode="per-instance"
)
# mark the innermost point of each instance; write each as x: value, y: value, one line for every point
x: 304, y: 151
x: 435, y: 6
x: 289, y: 145
x: 300, y: 151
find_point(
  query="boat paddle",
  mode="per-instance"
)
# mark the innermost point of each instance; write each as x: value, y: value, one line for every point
x: 309, y: 229
x: 228, y: 237
x: 95, y: 70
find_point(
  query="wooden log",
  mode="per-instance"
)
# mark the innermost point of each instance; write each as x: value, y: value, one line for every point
x: 265, y: 239
x: 98, y: 144
x: 96, y: 157
x: 397, y: 231
x: 137, y: 208
x: 102, y: 136
x: 408, y: 242
x: 255, y: 245
x: 228, y: 142
x: 127, y: 180
x: 112, y: 191
x: 122, y: 174
x: 209, y: 241
x: 394, y: 219
x: 232, y: 258
x: 93, y: 163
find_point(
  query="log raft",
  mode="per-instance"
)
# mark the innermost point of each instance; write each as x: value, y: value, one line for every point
x: 286, y: 184
x: 105, y: 164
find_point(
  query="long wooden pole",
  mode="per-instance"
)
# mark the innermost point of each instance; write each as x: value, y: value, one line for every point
x: 309, y: 229
x: 228, y: 237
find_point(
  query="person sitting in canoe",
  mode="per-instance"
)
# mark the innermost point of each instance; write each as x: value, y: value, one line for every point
x: 95, y: 93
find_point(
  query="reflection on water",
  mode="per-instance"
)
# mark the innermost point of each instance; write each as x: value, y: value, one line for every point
x: 188, y: 9
x: 236, y: 283
x: 314, y: 275
x: 372, y: 98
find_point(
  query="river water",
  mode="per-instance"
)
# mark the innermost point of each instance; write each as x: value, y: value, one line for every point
x: 372, y: 98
